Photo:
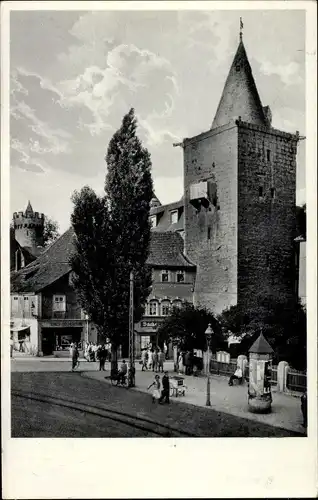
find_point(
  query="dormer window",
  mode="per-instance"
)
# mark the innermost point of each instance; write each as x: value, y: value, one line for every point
x: 165, y: 276
x: 153, y: 220
x: 174, y: 216
x: 180, y: 276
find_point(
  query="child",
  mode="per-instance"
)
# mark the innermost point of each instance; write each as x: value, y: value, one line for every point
x: 156, y: 392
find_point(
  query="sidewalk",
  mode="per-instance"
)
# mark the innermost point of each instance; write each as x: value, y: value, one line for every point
x: 285, y: 413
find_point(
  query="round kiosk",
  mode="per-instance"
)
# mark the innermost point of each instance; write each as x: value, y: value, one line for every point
x: 259, y: 386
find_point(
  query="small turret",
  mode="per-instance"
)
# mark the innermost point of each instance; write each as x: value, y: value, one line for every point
x: 29, y: 227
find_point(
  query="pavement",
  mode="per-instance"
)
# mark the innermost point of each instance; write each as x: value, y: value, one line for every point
x: 285, y: 412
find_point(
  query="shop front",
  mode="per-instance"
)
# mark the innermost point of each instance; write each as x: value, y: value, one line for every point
x: 57, y: 335
x: 146, y: 336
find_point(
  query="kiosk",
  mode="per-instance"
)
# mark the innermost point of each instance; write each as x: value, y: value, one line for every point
x: 259, y: 387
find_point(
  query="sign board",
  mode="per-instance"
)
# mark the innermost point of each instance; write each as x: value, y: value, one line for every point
x: 149, y: 324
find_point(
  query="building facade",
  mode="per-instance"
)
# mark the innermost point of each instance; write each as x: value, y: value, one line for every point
x: 231, y: 237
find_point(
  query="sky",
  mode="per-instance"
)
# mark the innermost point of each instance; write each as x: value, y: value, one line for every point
x: 74, y: 74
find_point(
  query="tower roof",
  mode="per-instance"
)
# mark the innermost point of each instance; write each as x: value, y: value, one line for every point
x: 240, y: 96
x: 261, y: 346
x: 29, y: 208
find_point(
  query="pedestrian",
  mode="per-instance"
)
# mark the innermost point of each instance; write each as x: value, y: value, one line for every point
x: 150, y: 359
x: 144, y: 359
x: 165, y: 350
x: 238, y: 375
x: 161, y: 360
x: 303, y: 403
x: 155, y: 361
x: 165, y: 393
x: 180, y: 363
x: 11, y: 347
x: 74, y: 356
x: 156, y: 391
x: 187, y: 363
x: 102, y: 357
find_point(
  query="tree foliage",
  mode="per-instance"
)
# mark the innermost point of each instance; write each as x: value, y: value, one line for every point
x: 186, y: 326
x: 283, y: 323
x: 113, y: 236
x: 50, y: 232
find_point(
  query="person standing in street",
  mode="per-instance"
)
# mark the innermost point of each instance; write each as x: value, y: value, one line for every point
x: 144, y: 358
x: 74, y: 356
x: 155, y: 361
x: 102, y: 357
x: 180, y: 363
x: 161, y: 360
x: 156, y: 391
x: 165, y: 393
x: 150, y: 359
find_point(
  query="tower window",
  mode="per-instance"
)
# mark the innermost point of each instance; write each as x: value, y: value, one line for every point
x: 209, y: 233
x: 273, y: 192
x: 260, y: 191
x: 237, y: 67
x: 268, y: 152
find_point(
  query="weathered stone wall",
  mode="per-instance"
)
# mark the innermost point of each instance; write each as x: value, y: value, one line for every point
x: 211, y: 233
x: 266, y: 212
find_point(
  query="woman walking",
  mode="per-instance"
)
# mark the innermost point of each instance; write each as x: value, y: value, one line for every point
x: 144, y: 359
x: 156, y: 393
x: 180, y: 363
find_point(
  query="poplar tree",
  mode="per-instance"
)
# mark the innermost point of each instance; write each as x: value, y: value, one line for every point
x: 113, y: 237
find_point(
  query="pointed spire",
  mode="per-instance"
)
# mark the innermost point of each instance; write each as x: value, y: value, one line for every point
x: 29, y: 209
x: 240, y: 97
x: 261, y: 346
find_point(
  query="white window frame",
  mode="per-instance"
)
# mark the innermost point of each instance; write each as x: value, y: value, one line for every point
x: 153, y: 220
x: 150, y: 303
x: 174, y: 213
x: 60, y: 300
x: 180, y: 273
x: 15, y: 303
x: 165, y: 303
x: 165, y: 272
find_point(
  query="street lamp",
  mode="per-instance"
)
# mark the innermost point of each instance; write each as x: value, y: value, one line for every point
x: 208, y: 334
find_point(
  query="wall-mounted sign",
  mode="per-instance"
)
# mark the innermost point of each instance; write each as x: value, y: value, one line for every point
x: 149, y: 324
x: 63, y: 324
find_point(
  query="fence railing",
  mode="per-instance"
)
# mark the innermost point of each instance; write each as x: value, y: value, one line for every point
x: 296, y: 381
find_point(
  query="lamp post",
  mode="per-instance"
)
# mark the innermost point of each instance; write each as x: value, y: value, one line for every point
x: 208, y: 334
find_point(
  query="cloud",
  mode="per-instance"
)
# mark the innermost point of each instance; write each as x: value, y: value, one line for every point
x: 126, y: 78
x: 288, y: 73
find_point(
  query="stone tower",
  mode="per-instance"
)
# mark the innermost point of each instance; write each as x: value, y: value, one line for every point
x: 29, y: 227
x: 240, y: 198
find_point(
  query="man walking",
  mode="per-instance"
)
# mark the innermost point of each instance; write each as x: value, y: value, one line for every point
x: 165, y: 393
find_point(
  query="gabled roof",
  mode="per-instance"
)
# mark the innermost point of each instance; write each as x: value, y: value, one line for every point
x: 240, y: 96
x: 52, y: 264
x: 166, y: 250
x: 261, y: 346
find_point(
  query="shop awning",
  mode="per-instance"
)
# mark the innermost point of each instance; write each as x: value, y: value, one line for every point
x: 19, y: 328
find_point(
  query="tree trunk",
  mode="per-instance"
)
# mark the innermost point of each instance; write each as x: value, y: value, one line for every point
x: 114, y: 363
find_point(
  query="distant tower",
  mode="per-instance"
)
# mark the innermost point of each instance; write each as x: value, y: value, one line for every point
x: 29, y: 227
x: 240, y: 199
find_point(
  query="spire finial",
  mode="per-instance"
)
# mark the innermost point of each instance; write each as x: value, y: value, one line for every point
x: 241, y: 29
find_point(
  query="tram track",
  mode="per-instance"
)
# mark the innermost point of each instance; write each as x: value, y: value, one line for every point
x: 144, y: 424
